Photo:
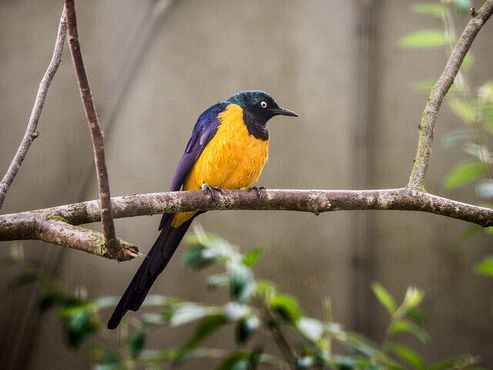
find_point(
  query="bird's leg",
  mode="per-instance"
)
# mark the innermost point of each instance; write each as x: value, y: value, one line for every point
x: 260, y: 190
x: 212, y: 190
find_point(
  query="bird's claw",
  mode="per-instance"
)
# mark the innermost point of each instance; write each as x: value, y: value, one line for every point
x: 260, y: 190
x: 212, y: 190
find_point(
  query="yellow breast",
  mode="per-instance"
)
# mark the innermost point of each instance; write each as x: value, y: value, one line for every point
x: 233, y: 159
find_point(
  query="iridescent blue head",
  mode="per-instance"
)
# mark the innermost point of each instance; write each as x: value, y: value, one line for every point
x: 259, y: 106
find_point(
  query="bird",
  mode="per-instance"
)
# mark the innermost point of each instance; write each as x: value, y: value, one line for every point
x: 227, y: 150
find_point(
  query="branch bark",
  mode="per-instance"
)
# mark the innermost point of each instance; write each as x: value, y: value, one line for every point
x: 96, y: 134
x: 438, y: 92
x: 57, y: 231
x: 24, y: 225
x: 39, y: 102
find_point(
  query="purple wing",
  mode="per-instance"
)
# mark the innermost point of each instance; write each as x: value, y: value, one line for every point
x: 203, y: 131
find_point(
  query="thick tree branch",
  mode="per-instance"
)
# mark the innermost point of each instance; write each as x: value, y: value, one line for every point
x: 32, y: 125
x: 94, y: 128
x: 438, y: 92
x: 25, y: 225
x: 57, y: 231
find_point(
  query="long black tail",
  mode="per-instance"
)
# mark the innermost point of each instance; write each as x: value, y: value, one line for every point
x: 155, y: 262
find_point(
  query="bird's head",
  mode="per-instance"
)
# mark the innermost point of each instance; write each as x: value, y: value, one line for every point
x: 260, y: 105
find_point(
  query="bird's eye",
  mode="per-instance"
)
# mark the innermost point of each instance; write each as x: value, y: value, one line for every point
x: 263, y: 104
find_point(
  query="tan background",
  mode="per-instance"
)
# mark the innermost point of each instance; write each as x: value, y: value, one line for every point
x: 334, y: 62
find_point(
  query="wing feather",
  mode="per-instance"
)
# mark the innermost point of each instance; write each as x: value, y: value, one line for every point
x: 204, y: 130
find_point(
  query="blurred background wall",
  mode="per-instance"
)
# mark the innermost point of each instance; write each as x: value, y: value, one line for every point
x: 154, y: 68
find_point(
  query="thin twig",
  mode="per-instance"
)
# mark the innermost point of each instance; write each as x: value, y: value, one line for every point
x: 94, y: 127
x: 282, y: 342
x: 438, y: 92
x: 32, y: 124
x: 126, y: 70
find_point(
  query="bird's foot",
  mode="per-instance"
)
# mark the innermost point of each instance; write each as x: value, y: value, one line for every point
x: 260, y: 190
x: 212, y: 190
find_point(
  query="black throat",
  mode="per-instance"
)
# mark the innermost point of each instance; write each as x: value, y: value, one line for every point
x: 255, y: 126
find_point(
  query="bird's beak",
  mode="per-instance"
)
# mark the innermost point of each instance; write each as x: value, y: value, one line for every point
x: 284, y: 112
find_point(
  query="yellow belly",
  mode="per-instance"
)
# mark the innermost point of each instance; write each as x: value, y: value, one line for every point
x: 233, y: 159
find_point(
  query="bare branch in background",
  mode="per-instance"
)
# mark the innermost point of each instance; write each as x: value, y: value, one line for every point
x: 94, y: 127
x: 438, y: 92
x: 39, y: 102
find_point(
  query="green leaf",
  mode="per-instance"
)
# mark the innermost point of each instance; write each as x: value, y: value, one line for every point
x: 217, y: 280
x: 186, y: 313
x: 135, y: 343
x: 384, y: 297
x: 463, y: 174
x: 415, y: 315
x: 433, y: 9
x: 463, y: 6
x: 409, y: 356
x: 198, y: 257
x: 462, y: 109
x: 485, y: 267
x: 80, y: 323
x: 219, y: 247
x: 110, y: 362
x: 265, y: 287
x: 252, y: 257
x: 412, y: 298
x: 241, y: 282
x: 286, y: 306
x: 403, y: 326
x: 234, y: 311
x: 424, y: 39
x: 241, y: 360
x: 51, y: 296
x: 246, y: 327
x: 358, y: 343
x: 206, y: 328
x: 310, y: 328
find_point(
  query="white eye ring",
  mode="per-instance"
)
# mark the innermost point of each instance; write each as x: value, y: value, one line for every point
x: 263, y: 104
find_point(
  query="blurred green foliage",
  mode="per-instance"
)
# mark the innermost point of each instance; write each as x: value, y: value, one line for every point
x: 472, y: 106
x: 261, y: 315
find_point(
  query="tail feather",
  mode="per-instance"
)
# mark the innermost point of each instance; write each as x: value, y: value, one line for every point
x: 155, y: 262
